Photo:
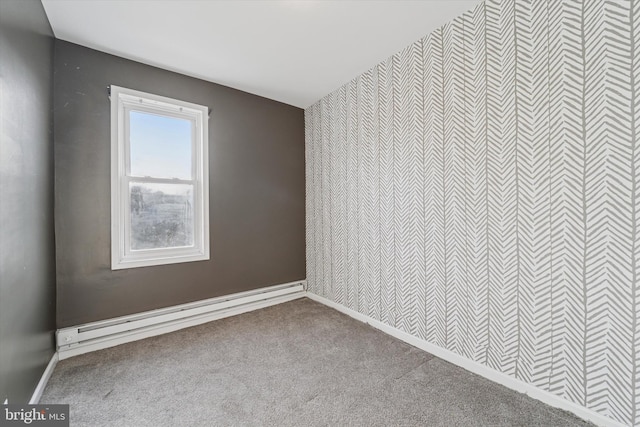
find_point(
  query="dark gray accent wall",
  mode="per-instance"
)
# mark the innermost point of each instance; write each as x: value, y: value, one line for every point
x: 27, y: 260
x: 256, y: 167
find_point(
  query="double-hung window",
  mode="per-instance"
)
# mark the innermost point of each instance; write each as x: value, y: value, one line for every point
x: 159, y: 180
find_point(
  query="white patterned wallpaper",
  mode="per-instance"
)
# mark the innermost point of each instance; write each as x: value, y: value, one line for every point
x: 481, y: 190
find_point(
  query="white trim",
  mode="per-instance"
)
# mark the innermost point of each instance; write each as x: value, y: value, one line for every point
x: 123, y: 101
x: 109, y: 333
x: 46, y: 375
x: 475, y: 367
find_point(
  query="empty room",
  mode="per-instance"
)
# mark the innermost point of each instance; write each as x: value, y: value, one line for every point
x: 320, y: 213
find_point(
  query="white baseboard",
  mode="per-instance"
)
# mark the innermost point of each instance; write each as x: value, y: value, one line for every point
x: 46, y: 375
x: 110, y: 333
x: 475, y: 367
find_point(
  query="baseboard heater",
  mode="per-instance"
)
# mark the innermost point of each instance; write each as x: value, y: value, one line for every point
x: 109, y: 333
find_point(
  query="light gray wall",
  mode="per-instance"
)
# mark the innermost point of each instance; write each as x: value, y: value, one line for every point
x: 256, y: 168
x: 27, y: 260
x: 481, y: 190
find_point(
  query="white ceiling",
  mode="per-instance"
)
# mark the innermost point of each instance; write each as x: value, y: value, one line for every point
x: 291, y: 51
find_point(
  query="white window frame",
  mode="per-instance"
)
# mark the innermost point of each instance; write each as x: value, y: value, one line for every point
x: 123, y: 101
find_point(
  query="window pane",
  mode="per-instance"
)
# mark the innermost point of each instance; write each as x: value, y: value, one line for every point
x: 161, y: 215
x: 160, y: 146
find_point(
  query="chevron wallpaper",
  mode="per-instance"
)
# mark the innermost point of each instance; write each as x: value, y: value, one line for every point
x: 481, y: 190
